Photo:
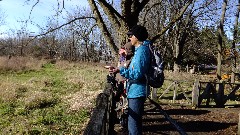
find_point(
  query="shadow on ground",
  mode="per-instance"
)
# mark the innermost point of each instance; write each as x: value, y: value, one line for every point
x: 155, y: 123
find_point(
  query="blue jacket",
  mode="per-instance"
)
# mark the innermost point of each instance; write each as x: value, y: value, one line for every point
x: 136, y: 72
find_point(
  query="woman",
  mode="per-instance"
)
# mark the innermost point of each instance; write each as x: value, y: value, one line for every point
x: 137, y: 86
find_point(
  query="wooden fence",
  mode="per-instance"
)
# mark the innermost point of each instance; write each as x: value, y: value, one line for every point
x: 101, y: 121
x: 215, y: 91
x: 200, y: 91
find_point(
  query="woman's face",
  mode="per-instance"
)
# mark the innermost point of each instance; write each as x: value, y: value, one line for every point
x: 133, y: 40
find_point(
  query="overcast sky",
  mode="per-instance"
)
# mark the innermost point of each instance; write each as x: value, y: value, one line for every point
x: 19, y: 10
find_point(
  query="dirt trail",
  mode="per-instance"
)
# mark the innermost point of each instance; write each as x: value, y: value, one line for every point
x: 200, y: 121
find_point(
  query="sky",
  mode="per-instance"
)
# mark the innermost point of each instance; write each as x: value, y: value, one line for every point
x: 19, y: 10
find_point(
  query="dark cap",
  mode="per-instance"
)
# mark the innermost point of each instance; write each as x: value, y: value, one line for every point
x: 140, y: 32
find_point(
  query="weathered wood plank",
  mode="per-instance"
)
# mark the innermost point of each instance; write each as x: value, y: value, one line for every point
x: 168, y: 88
x: 154, y: 94
x: 220, y: 95
x: 195, y: 93
x: 97, y: 121
x: 100, y: 123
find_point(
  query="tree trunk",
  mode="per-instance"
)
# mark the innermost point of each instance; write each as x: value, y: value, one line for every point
x: 220, y: 40
x: 176, y: 66
x: 234, y: 42
x: 102, y: 26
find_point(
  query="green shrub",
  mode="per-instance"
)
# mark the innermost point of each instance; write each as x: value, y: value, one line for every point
x: 48, y: 65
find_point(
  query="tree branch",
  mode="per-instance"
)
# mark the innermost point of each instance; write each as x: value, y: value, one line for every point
x: 102, y: 26
x: 90, y: 30
x: 126, y: 8
x: 178, y: 17
x: 143, y: 3
x: 155, y: 4
x: 32, y: 9
x: 53, y: 29
x: 236, y: 26
x: 111, y: 13
x: 111, y: 9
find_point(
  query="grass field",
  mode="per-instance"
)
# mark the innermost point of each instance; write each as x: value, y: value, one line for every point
x: 37, y: 97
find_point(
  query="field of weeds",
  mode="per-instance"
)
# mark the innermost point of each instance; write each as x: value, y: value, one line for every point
x: 38, y: 97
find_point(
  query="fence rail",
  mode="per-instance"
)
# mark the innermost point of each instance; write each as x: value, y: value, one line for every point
x: 202, y: 90
x: 100, y: 122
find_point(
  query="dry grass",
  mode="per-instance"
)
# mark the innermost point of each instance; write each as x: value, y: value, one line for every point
x: 39, y: 99
x: 86, y: 100
x: 183, y: 76
x: 8, y: 93
x: 19, y: 63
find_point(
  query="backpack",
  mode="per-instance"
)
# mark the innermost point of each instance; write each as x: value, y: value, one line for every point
x: 155, y: 75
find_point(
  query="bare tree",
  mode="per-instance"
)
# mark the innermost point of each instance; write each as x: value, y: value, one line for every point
x: 122, y: 21
x: 171, y: 24
x: 185, y: 27
x: 114, y: 22
x: 2, y: 17
x: 84, y: 30
x: 179, y: 36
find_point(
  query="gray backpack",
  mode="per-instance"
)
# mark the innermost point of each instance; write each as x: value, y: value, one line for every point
x: 155, y: 75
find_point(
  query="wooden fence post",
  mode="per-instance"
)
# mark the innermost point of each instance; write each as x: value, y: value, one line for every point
x: 195, y: 93
x: 238, y: 125
x: 220, y: 95
x: 175, y: 91
x: 154, y: 94
x: 233, y: 75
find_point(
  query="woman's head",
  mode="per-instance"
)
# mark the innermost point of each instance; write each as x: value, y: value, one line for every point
x: 137, y: 34
x: 129, y: 49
